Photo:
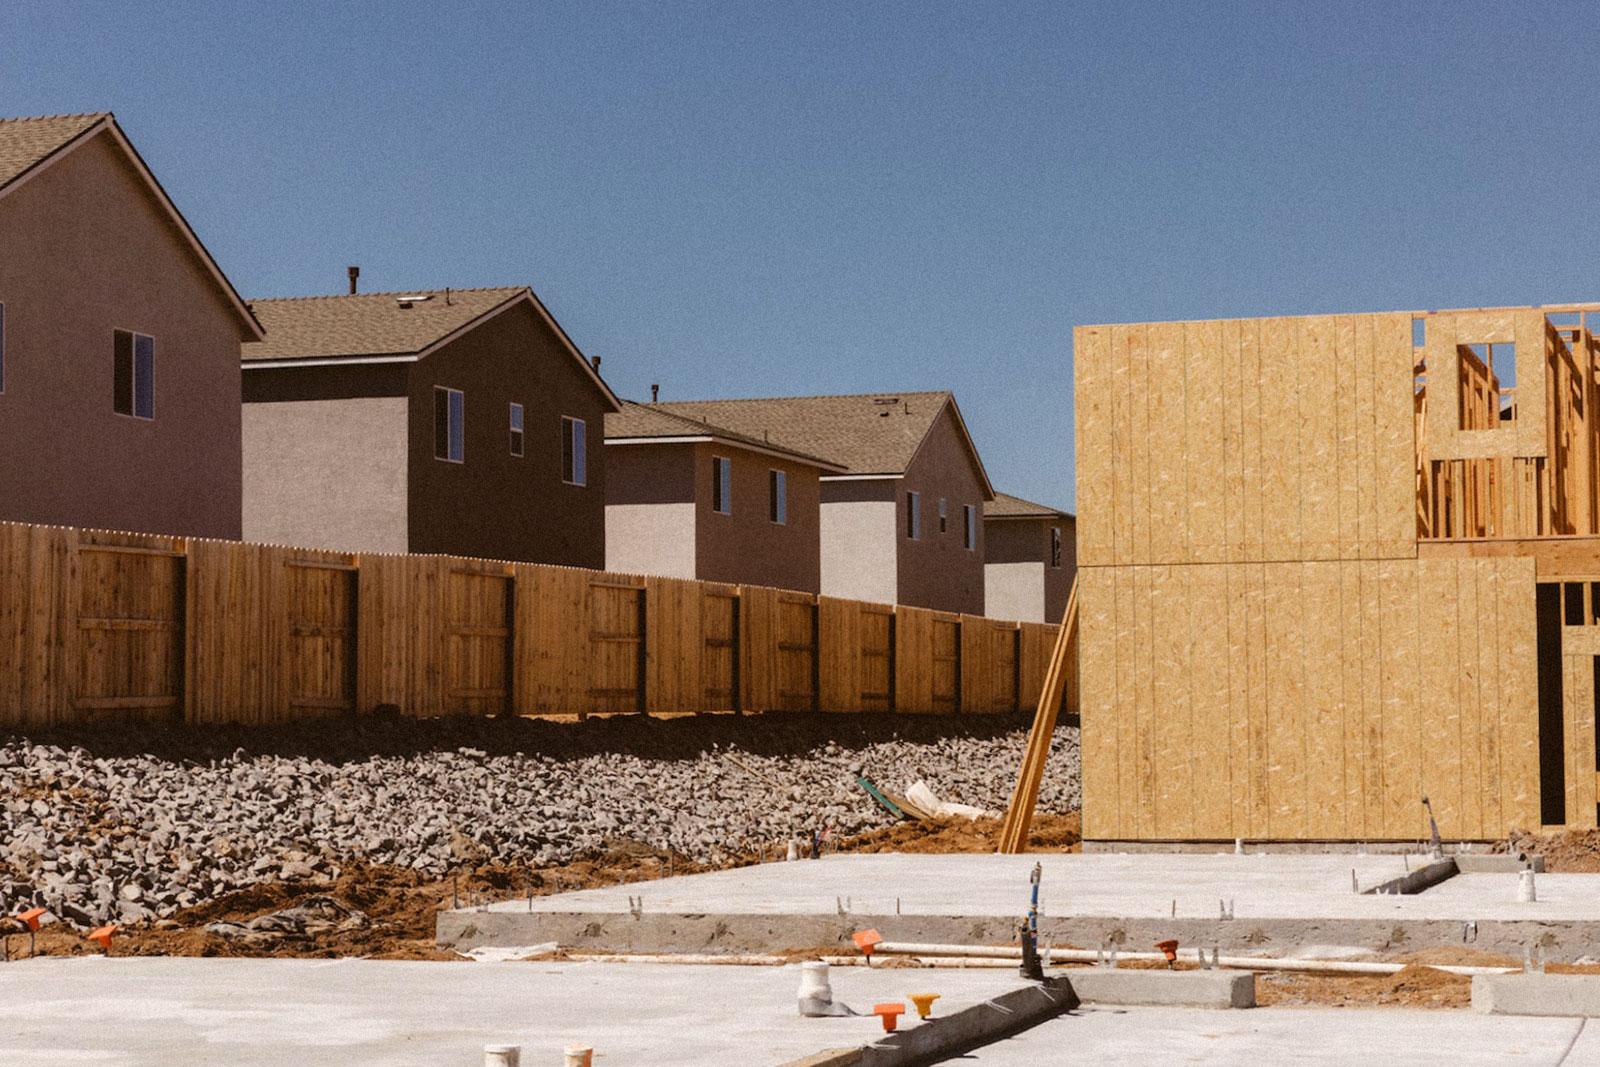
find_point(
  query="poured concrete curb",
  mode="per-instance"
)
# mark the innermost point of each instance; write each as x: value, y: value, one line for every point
x: 945, y: 1036
x: 1186, y: 989
x: 1576, y: 995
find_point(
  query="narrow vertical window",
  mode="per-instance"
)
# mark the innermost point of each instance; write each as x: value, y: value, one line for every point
x: 721, y: 485
x: 448, y: 433
x: 969, y: 517
x: 516, y: 429
x: 943, y: 517
x: 1055, y: 546
x: 779, y: 484
x: 574, y: 457
x: 913, y: 517
x: 133, y: 367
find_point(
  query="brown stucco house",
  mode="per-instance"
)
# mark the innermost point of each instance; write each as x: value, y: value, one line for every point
x: 902, y: 523
x: 119, y: 342
x: 459, y: 421
x: 689, y: 499
x: 1030, y: 558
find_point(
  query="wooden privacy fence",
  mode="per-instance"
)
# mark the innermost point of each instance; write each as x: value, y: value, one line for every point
x: 101, y: 626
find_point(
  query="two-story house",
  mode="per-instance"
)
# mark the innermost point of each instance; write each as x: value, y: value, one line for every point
x: 902, y: 522
x: 460, y: 421
x: 688, y: 499
x: 119, y: 342
x: 1030, y: 558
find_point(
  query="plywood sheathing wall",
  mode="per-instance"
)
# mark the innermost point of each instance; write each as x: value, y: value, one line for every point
x: 1245, y: 441
x: 1310, y: 700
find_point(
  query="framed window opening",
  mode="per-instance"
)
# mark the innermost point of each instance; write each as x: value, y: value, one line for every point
x: 133, y: 390
x: 943, y: 517
x: 516, y: 429
x: 778, y: 509
x: 449, y: 424
x: 721, y: 485
x: 969, y: 523
x: 1055, y: 546
x: 913, y: 516
x: 574, y: 455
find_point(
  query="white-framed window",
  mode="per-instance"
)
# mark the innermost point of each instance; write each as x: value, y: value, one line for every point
x: 574, y: 454
x: 1055, y: 546
x: 449, y: 424
x: 913, y: 516
x: 943, y: 515
x: 721, y: 485
x: 133, y: 388
x: 778, y: 509
x: 969, y: 517
x: 516, y: 429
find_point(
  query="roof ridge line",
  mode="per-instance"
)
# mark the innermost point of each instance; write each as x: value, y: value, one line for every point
x: 394, y: 292
x: 64, y: 115
x: 814, y: 396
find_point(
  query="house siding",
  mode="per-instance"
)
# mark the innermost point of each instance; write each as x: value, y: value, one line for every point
x: 936, y: 570
x: 745, y: 546
x: 650, y: 509
x: 1014, y: 591
x: 493, y: 504
x: 858, y: 541
x: 327, y: 473
x: 1015, y: 541
x: 88, y: 249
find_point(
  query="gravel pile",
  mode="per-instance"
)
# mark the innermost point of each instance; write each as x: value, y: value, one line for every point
x: 131, y: 826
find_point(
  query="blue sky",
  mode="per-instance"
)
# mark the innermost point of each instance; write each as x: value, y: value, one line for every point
x: 754, y: 199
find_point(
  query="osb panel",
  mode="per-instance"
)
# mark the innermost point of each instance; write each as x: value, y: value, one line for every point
x: 1238, y: 440
x: 1315, y: 700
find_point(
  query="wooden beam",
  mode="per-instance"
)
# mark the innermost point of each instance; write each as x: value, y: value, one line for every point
x: 1019, y: 813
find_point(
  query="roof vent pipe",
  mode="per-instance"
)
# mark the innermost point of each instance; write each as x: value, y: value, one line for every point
x: 655, y: 393
x: 594, y: 361
x: 354, y: 272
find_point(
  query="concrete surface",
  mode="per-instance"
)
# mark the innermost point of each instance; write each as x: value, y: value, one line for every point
x: 1306, y: 1037
x: 1197, y: 989
x: 1279, y: 902
x: 146, y: 1012
x: 1572, y: 995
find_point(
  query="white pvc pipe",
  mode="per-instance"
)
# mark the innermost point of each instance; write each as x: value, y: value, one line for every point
x: 502, y: 1055
x: 1248, y: 963
x: 679, y: 957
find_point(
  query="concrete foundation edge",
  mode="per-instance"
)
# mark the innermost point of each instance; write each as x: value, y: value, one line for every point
x: 1177, y: 989
x: 1567, y: 995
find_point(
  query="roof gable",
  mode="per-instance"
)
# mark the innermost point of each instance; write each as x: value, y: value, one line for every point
x: 399, y: 327
x: 869, y: 434
x: 29, y: 146
x: 1006, y: 506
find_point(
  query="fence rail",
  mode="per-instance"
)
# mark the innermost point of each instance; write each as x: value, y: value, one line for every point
x: 97, y: 626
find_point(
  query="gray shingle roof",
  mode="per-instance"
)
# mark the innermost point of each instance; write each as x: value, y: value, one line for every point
x: 26, y: 142
x: 1006, y: 506
x: 644, y: 421
x: 368, y: 324
x: 867, y: 433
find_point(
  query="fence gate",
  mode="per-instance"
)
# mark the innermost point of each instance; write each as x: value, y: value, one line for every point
x: 877, y: 658
x: 946, y: 634
x: 477, y: 643
x: 321, y: 604
x: 719, y: 651
x: 616, y: 640
x: 129, y: 655
x: 797, y: 653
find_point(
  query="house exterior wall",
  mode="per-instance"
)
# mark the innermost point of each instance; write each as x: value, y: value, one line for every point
x: 327, y: 473
x: 1011, y: 542
x: 89, y: 250
x: 858, y: 534
x: 1014, y: 590
x: 495, y: 505
x: 935, y: 570
x: 745, y: 546
x: 650, y: 509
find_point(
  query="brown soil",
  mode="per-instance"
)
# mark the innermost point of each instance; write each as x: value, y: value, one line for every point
x: 1047, y: 833
x: 1565, y: 852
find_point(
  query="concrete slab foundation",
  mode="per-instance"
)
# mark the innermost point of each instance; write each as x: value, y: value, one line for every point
x: 1572, y: 995
x: 1279, y: 903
